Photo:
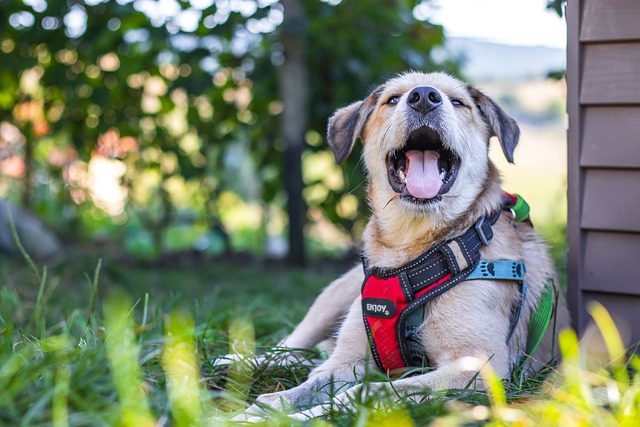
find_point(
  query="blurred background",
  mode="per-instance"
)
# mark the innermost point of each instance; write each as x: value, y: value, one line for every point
x: 167, y: 130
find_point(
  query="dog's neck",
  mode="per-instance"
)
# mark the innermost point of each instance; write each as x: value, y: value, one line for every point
x: 395, y: 234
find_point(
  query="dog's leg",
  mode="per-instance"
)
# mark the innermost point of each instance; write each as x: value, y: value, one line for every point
x: 456, y: 359
x: 458, y: 374
x: 327, y: 311
x: 344, y: 368
x: 319, y: 324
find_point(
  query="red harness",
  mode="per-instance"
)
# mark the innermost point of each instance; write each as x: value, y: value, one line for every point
x: 392, y: 300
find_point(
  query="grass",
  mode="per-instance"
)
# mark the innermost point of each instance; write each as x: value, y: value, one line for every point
x: 62, y: 331
x: 102, y: 343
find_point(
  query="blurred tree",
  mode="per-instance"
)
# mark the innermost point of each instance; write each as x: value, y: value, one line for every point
x: 294, y: 92
x: 155, y: 111
x: 557, y: 6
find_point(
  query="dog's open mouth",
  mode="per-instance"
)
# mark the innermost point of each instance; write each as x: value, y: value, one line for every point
x: 423, y: 170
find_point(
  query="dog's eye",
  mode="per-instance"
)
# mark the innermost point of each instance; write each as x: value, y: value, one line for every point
x: 457, y: 103
x: 393, y: 100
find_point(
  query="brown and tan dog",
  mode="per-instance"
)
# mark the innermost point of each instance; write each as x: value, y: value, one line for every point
x: 426, y: 142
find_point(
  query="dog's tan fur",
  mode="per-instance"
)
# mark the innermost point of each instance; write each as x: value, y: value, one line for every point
x: 471, y: 319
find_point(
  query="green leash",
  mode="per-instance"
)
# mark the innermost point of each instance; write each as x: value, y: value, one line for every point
x: 541, y: 316
x: 540, y: 319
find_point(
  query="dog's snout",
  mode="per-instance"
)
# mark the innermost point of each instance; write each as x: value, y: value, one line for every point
x: 424, y: 99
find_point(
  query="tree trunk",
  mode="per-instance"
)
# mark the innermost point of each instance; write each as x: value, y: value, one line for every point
x: 294, y: 93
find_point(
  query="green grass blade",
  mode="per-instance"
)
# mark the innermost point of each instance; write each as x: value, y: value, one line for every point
x: 93, y: 292
x: 60, y: 412
x: 123, y: 354
x: 242, y: 343
x: 613, y: 342
x: 181, y: 367
x: 21, y: 249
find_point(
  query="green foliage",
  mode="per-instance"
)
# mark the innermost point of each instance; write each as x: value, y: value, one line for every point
x: 557, y: 6
x: 117, y: 111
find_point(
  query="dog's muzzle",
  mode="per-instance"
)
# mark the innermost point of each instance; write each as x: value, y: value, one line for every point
x: 423, y: 169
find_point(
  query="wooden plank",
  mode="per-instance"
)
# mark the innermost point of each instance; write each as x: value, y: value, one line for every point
x: 610, y: 262
x: 609, y: 20
x: 611, y: 74
x: 623, y: 310
x: 611, y: 137
x: 611, y: 200
x: 574, y: 173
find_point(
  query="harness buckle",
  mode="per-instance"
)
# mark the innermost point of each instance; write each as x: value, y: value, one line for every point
x: 481, y: 234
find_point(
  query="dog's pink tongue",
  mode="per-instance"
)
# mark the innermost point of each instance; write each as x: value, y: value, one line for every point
x: 423, y: 175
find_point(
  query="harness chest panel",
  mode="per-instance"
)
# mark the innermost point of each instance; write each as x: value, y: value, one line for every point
x: 383, y: 302
x: 380, y: 323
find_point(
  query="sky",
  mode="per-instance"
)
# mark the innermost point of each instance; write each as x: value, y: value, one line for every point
x: 516, y: 22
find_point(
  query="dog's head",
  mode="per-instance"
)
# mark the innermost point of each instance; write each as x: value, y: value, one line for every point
x: 426, y: 140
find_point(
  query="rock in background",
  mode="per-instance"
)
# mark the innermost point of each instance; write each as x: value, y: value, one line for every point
x: 40, y: 243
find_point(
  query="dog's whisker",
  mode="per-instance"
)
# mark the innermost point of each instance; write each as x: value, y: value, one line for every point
x: 390, y: 200
x: 384, y: 136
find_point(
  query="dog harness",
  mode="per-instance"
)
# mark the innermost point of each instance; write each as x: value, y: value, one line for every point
x: 393, y: 300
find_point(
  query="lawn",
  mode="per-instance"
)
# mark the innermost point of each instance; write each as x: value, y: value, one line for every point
x: 93, y: 342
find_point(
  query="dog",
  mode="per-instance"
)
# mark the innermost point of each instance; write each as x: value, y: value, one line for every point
x: 431, y: 185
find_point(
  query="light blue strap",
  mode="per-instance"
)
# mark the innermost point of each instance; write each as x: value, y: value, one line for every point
x: 504, y: 270
x: 498, y: 270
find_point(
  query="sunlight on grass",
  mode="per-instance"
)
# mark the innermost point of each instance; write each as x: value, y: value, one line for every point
x: 242, y: 345
x: 385, y: 417
x: 60, y: 345
x: 181, y: 367
x: 124, y: 353
x: 612, y: 341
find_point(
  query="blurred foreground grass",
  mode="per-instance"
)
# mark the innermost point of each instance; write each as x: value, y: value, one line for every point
x: 78, y: 340
x: 105, y: 343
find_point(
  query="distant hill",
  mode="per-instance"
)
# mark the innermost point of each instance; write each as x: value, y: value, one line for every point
x: 486, y: 61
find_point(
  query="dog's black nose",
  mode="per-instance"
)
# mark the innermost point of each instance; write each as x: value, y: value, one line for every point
x: 424, y: 99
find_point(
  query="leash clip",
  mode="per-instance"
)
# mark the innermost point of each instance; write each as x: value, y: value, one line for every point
x: 481, y: 234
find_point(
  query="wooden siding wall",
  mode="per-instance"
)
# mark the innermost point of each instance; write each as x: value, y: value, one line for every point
x: 603, y: 86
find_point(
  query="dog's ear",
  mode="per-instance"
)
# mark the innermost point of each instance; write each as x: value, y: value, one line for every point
x: 346, y: 125
x: 501, y: 124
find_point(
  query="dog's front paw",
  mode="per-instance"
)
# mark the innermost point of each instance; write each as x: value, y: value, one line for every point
x: 278, y: 401
x: 251, y: 415
x: 266, y: 406
x: 342, y: 401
